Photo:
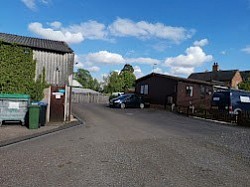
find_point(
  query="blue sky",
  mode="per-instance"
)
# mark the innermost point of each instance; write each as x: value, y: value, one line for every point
x: 175, y: 37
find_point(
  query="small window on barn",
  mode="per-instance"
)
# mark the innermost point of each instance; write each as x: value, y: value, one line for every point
x: 142, y: 89
x: 189, y: 91
x: 146, y: 89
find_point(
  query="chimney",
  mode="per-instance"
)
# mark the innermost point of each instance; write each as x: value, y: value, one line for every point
x: 215, y: 67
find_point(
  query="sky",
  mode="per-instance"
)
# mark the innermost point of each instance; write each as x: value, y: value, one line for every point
x: 174, y: 37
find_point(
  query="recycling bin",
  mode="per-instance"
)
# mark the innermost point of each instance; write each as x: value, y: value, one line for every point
x: 43, y: 112
x: 13, y: 107
x: 34, y: 113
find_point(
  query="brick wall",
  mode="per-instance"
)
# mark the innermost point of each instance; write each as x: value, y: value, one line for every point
x: 201, y: 96
x: 236, y: 80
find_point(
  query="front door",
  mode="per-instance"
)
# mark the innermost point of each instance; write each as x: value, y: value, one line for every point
x: 57, y: 104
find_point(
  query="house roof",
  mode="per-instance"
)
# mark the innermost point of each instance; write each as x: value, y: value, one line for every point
x: 245, y: 75
x: 51, y: 45
x: 174, y: 78
x: 213, y: 76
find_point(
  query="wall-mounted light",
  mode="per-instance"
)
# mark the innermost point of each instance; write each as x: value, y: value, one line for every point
x: 57, y: 69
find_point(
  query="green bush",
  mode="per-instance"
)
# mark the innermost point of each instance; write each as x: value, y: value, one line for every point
x: 17, y: 72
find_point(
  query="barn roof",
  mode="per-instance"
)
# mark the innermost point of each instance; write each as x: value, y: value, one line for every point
x: 37, y: 43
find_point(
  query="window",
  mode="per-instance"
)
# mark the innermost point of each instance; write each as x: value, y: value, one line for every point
x: 144, y: 89
x: 189, y: 91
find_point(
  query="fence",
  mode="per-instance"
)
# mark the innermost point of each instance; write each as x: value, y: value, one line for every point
x: 89, y: 98
x: 243, y: 118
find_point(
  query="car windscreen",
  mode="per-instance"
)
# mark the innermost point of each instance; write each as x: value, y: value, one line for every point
x: 123, y: 96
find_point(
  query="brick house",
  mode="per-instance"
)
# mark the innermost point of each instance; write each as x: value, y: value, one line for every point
x: 229, y: 78
x: 162, y: 90
x: 57, y: 58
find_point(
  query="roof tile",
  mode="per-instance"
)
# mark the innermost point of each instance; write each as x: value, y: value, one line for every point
x: 51, y: 45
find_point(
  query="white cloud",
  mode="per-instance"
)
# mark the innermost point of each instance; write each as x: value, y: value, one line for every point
x: 78, y: 63
x: 52, y: 34
x: 94, y: 30
x: 201, y: 43
x: 158, y: 70
x: 223, y: 52
x: 90, y: 29
x: 138, y: 72
x: 145, y: 30
x: 30, y: 4
x: 185, y: 64
x: 181, y: 71
x: 93, y: 69
x: 105, y: 57
x: 141, y: 60
x: 246, y: 49
x: 56, y: 24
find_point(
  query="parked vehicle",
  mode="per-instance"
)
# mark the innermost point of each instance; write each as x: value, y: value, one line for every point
x: 127, y: 101
x: 233, y: 101
x: 115, y: 94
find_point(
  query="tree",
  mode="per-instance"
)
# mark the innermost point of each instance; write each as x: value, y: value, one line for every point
x: 127, y: 68
x: 128, y: 80
x: 245, y: 85
x: 84, y: 77
x: 121, y: 82
x: 114, y: 83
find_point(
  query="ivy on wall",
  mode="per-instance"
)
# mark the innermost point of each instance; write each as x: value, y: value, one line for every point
x: 17, y: 72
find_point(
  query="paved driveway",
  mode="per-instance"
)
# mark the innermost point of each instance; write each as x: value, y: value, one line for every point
x: 131, y: 147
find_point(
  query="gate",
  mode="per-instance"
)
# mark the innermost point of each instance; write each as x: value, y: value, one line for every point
x: 57, y: 103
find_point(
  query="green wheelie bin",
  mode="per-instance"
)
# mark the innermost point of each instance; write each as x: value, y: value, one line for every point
x: 34, y: 112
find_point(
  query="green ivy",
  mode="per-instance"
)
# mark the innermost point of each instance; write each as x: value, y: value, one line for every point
x: 17, y: 72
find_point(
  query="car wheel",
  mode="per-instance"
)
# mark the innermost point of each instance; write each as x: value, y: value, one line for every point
x: 122, y: 105
x: 141, y: 105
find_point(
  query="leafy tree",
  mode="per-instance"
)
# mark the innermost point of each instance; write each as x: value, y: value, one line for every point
x: 84, y: 77
x: 113, y: 83
x: 245, y: 85
x: 127, y: 68
x: 116, y: 82
x: 94, y: 85
x: 128, y: 80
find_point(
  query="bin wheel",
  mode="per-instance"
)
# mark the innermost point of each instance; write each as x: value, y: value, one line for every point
x: 1, y: 123
x: 22, y: 123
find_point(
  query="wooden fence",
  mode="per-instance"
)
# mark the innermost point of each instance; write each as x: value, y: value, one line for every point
x: 89, y: 98
x: 242, y: 118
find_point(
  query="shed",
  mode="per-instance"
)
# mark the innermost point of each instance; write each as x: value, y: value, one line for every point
x: 57, y: 58
x: 160, y: 89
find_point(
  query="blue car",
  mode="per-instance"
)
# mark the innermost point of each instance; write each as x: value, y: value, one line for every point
x: 127, y: 101
x: 233, y: 101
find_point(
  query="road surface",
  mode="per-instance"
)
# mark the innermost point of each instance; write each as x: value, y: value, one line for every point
x: 131, y: 147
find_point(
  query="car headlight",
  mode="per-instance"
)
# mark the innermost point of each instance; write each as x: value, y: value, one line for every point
x: 117, y: 101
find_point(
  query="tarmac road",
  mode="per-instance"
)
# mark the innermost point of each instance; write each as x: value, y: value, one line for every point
x: 131, y: 147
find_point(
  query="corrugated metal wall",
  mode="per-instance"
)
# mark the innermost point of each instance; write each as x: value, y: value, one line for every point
x: 58, y: 67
